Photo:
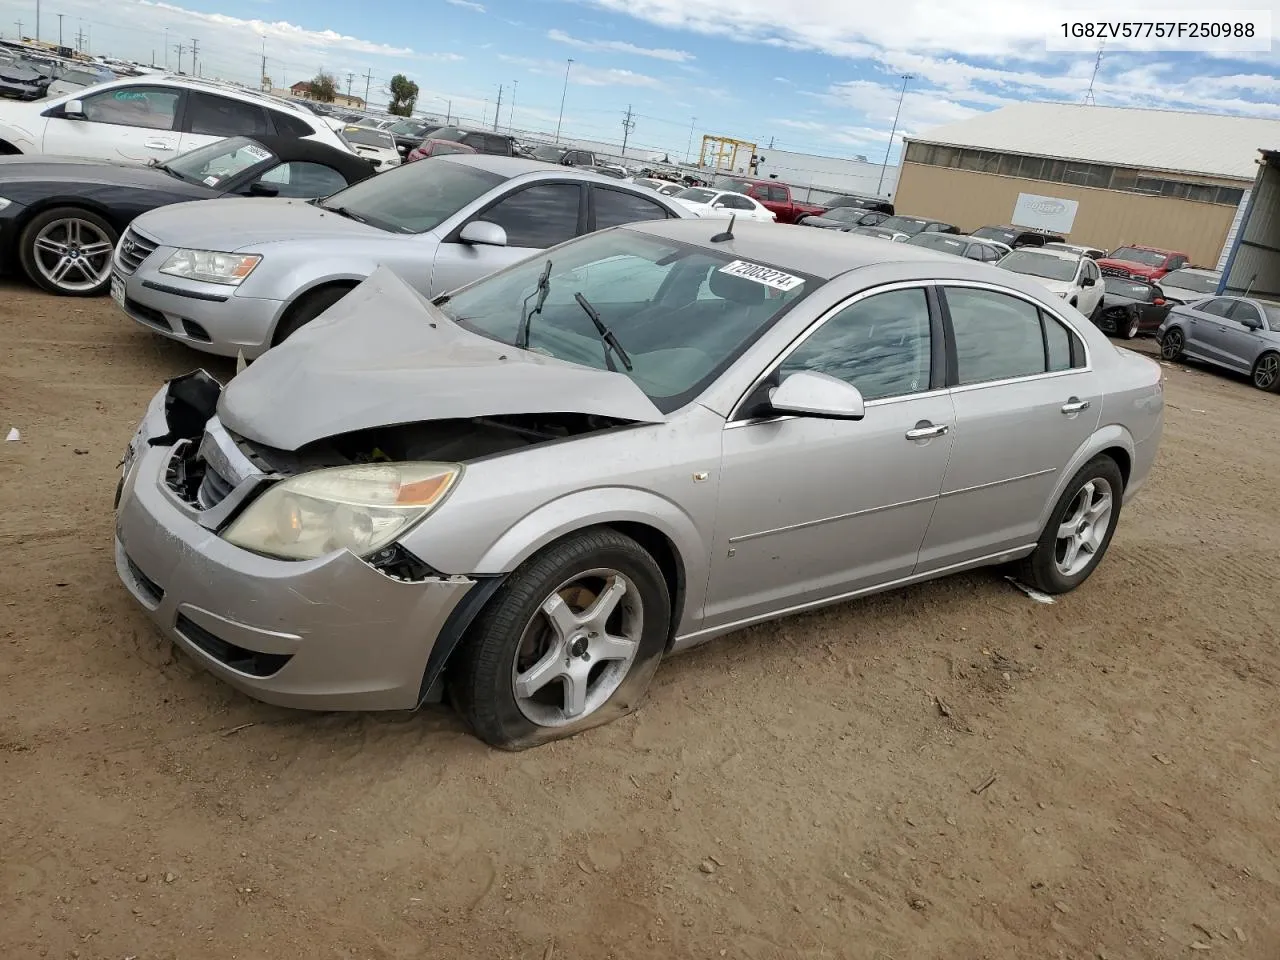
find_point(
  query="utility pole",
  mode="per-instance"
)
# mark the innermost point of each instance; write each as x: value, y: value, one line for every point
x: 350, y: 76
x: 19, y: 23
x: 627, y: 126
x: 368, y: 79
x: 60, y: 33
x: 565, y: 93
x: 262, y: 73
x: 37, y: 21
x: 180, y: 48
x: 771, y: 143
x: 511, y: 121
x: 166, y: 48
x: 497, y: 112
x: 1088, y: 97
x: 884, y: 166
x: 688, y: 150
x: 195, y: 50
x: 81, y: 46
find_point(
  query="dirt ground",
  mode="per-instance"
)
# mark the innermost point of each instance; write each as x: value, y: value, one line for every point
x: 793, y: 791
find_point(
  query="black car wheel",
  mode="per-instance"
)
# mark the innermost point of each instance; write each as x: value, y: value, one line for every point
x: 569, y: 642
x: 67, y: 251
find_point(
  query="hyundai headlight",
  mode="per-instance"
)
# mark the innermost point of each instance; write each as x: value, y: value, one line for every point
x: 360, y: 508
x: 211, y: 266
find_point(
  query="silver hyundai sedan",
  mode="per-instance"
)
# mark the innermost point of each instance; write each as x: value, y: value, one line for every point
x: 530, y: 490
x: 236, y: 276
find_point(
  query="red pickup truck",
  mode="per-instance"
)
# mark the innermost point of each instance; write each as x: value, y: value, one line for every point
x: 773, y: 196
x: 1136, y: 262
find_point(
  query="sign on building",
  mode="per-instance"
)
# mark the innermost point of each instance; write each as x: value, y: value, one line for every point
x: 1044, y: 213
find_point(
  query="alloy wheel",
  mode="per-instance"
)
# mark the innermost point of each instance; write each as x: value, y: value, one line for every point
x: 578, y: 647
x: 73, y: 254
x: 1171, y: 345
x: 1084, y: 528
x: 1267, y: 373
x: 1133, y: 328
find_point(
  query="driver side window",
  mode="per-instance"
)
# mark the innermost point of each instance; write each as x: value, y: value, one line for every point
x: 881, y: 345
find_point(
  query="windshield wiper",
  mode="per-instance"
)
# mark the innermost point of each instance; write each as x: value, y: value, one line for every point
x: 346, y: 212
x: 540, y: 291
x: 606, y: 336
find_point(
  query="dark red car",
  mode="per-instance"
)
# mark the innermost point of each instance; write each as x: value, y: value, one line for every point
x: 1136, y: 262
x: 437, y: 148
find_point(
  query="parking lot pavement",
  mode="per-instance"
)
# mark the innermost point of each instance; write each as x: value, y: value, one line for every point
x: 808, y: 788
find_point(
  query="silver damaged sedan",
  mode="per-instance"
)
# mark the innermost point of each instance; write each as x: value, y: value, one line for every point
x: 527, y: 492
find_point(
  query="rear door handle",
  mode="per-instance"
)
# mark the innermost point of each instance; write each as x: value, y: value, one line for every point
x: 158, y: 145
x: 1075, y: 405
x: 925, y: 430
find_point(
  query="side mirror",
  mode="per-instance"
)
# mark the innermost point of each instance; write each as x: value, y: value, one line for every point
x: 1086, y: 281
x: 483, y: 233
x: 717, y: 206
x: 811, y: 394
x: 1252, y: 324
x: 73, y: 110
x: 260, y: 189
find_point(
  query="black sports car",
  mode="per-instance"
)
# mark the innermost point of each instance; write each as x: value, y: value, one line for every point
x: 1132, y: 307
x: 845, y: 218
x: 60, y: 217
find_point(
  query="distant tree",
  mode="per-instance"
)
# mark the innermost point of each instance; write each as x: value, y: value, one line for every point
x: 322, y: 87
x: 404, y: 94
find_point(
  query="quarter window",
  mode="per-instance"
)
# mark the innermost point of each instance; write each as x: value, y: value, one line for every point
x: 1057, y: 345
x: 539, y: 216
x: 289, y: 126
x: 303, y: 180
x: 614, y: 207
x: 997, y: 336
x: 881, y: 345
x: 152, y: 108
x: 1245, y: 312
x: 222, y: 117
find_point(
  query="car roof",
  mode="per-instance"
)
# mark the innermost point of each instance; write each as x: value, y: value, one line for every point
x: 818, y: 253
x: 352, y: 167
x: 972, y: 239
x: 511, y: 167
x: 1197, y: 271
x: 220, y: 86
x: 1053, y: 252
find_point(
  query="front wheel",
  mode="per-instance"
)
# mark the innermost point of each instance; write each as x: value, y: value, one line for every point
x: 1171, y: 344
x: 1128, y: 327
x: 1266, y: 373
x: 569, y: 642
x: 67, y: 251
x: 1079, y: 529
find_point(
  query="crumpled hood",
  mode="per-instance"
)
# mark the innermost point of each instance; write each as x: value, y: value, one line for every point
x: 384, y: 355
x: 242, y: 222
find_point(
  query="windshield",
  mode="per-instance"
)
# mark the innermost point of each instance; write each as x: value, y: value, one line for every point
x: 1040, y: 265
x: 696, y: 195
x: 407, y: 128
x: 218, y: 162
x: 910, y: 225
x: 1119, y: 287
x: 732, y: 185
x: 939, y: 241
x: 676, y: 309
x: 369, y: 137
x: 844, y: 214
x: 995, y: 233
x: 1148, y: 258
x: 549, y: 154
x: 1186, y: 280
x: 416, y: 197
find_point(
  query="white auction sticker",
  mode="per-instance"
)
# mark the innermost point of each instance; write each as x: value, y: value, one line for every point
x: 766, y: 275
x: 257, y: 152
x: 1158, y: 29
x: 211, y: 181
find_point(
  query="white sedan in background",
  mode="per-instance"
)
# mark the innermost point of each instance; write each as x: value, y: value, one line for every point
x: 723, y: 204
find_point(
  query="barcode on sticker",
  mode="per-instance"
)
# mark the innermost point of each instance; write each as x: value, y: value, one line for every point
x: 766, y: 275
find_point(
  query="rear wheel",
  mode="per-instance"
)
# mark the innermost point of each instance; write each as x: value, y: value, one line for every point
x: 67, y: 251
x: 1266, y: 372
x: 1171, y: 344
x: 569, y: 642
x: 307, y: 307
x: 1128, y: 326
x: 1079, y: 529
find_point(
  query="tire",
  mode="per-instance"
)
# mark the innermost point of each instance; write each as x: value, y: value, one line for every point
x: 512, y: 677
x: 54, y: 250
x: 1129, y: 330
x: 1052, y: 567
x: 1171, y: 344
x: 1266, y: 372
x: 305, y: 309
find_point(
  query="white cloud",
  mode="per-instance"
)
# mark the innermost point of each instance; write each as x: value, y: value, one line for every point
x: 616, y: 46
x: 584, y: 75
x: 477, y: 7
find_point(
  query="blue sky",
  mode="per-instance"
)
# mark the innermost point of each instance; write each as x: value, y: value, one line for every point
x: 817, y: 76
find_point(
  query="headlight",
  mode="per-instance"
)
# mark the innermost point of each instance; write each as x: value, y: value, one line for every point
x: 210, y: 266
x: 360, y: 508
x: 4, y: 202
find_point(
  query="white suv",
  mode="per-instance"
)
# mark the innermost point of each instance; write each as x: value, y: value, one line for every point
x: 148, y: 118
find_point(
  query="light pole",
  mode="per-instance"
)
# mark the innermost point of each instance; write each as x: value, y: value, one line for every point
x: 511, y: 120
x: 37, y: 21
x: 564, y: 93
x: 897, y: 113
x: 688, y: 150
x: 166, y: 49
x: 448, y: 112
x: 59, y: 31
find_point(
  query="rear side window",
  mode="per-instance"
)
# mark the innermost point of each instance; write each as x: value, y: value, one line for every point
x: 615, y: 207
x: 288, y: 125
x: 778, y: 194
x: 214, y: 116
x: 997, y: 337
x: 539, y: 216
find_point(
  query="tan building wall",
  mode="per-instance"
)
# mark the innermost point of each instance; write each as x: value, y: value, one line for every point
x: 1105, y: 218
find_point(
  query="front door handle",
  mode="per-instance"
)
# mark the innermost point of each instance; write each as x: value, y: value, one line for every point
x: 924, y: 430
x: 1075, y: 405
x: 158, y: 145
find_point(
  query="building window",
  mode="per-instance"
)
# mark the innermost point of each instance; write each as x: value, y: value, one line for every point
x: 1096, y: 175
